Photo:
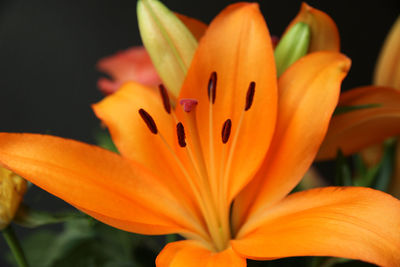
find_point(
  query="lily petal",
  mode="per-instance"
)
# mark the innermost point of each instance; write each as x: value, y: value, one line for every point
x: 190, y: 253
x: 134, y: 140
x: 308, y: 93
x: 95, y: 180
x: 357, y: 223
x: 347, y: 131
x: 324, y: 32
x: 237, y: 47
x: 387, y: 72
x: 394, y: 188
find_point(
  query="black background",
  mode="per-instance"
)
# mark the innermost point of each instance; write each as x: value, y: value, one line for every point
x: 48, y: 52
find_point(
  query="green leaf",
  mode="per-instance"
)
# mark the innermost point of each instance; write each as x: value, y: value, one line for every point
x: 344, y: 109
x: 343, y: 171
x: 86, y: 242
x: 364, y: 176
x: 293, y: 45
x: 378, y: 176
x: 384, y: 176
x: 103, y: 139
x: 30, y: 218
x: 170, y: 44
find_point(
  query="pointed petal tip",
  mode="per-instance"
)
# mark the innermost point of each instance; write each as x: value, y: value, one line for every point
x: 245, y: 6
x: 324, y: 32
x: 306, y: 7
x: 346, y: 64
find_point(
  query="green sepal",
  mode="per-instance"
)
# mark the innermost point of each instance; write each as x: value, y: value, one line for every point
x: 345, y: 109
x: 293, y: 45
x: 169, y: 42
x: 104, y: 140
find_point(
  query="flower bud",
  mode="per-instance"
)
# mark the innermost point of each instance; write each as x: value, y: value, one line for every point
x: 293, y: 45
x: 12, y: 189
x: 169, y: 42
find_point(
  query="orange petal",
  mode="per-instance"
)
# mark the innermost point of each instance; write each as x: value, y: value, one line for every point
x: 347, y: 130
x: 196, y: 27
x: 309, y: 91
x: 394, y: 188
x: 324, y: 32
x: 95, y: 180
x: 189, y: 253
x: 133, y: 64
x: 134, y: 140
x: 387, y: 71
x: 238, y: 48
x: 357, y: 223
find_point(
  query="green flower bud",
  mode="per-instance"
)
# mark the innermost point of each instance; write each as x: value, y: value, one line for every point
x: 170, y: 44
x: 293, y: 45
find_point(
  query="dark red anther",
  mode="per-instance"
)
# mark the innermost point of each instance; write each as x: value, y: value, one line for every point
x: 226, y: 131
x: 212, y: 87
x: 148, y: 120
x: 250, y: 96
x: 165, y: 98
x: 180, y: 130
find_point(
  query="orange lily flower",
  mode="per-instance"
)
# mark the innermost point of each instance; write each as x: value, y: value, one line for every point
x: 181, y: 169
x: 347, y: 131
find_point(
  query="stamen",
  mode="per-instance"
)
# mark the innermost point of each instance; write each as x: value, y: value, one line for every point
x: 226, y: 131
x: 165, y: 98
x: 148, y: 120
x: 250, y: 96
x: 180, y: 130
x: 188, y: 104
x: 212, y: 87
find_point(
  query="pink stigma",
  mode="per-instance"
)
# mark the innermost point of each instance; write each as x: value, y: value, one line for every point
x: 188, y: 104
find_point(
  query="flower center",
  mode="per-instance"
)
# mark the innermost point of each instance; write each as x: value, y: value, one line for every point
x: 209, y: 184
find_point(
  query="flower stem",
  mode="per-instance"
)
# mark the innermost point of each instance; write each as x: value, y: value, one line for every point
x: 15, y: 246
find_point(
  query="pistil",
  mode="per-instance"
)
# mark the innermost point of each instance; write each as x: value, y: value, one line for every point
x: 198, y: 162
